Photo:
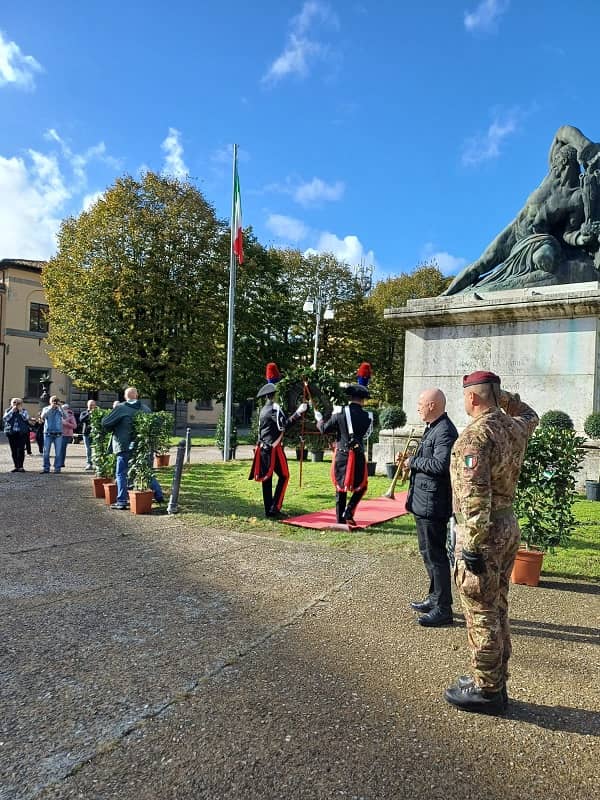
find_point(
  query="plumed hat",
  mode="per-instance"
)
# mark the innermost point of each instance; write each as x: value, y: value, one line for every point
x: 356, y: 391
x: 479, y: 377
x: 364, y: 373
x: 268, y: 388
x: 272, y: 373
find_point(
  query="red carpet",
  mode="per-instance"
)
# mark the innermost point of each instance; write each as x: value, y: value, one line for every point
x: 369, y: 512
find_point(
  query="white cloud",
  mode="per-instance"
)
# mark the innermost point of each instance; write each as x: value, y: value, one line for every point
x: 302, y: 47
x: 485, y: 147
x: 448, y: 264
x: 287, y: 228
x: 349, y: 249
x: 485, y: 16
x: 79, y: 161
x: 174, y: 163
x: 31, y: 205
x: 15, y: 67
x: 38, y: 191
x: 91, y: 199
x: 317, y: 190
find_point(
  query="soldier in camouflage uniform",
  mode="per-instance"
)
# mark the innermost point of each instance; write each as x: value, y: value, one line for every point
x: 485, y: 465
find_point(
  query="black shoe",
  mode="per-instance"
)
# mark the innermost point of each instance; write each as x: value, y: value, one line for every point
x: 274, y: 513
x: 349, y: 518
x: 463, y: 681
x: 16, y: 469
x: 119, y: 506
x: 423, y: 605
x: 437, y: 618
x: 472, y: 698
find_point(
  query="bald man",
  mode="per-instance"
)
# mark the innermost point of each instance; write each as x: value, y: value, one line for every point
x: 430, y: 500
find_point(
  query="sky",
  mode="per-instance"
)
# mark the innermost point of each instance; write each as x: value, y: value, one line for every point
x: 384, y: 131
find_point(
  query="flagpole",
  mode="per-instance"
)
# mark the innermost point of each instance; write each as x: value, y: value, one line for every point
x: 231, y: 322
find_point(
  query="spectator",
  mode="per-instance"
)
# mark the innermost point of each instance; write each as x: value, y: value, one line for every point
x: 53, y: 416
x: 85, y: 421
x: 120, y: 423
x: 16, y: 427
x: 69, y: 424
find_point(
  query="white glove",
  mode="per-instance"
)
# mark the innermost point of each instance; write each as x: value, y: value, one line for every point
x: 302, y: 408
x: 337, y: 410
x: 318, y: 415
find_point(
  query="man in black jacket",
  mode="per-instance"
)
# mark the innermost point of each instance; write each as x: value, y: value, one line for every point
x: 430, y: 500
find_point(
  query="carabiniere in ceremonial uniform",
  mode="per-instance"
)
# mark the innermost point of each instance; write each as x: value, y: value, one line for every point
x: 269, y: 456
x: 349, y: 467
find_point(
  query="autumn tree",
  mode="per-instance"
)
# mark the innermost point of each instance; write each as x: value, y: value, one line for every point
x: 387, y: 337
x: 137, y: 292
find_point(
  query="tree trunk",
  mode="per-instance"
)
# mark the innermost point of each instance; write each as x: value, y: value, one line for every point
x: 160, y: 400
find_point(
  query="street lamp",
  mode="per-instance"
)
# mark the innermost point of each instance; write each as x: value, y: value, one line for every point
x: 317, y: 307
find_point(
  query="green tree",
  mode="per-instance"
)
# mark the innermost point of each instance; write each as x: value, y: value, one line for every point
x: 138, y: 291
x: 387, y: 339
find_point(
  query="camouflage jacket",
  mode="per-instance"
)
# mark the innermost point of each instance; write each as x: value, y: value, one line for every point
x: 485, y: 465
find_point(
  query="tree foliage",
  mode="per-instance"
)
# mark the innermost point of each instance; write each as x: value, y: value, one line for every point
x: 137, y: 292
x: 546, y: 488
x: 387, y: 339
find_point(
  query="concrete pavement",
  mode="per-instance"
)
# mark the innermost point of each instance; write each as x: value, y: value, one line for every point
x: 185, y: 662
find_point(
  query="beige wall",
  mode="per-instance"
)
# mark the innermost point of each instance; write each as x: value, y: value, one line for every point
x: 22, y: 347
x: 203, y: 416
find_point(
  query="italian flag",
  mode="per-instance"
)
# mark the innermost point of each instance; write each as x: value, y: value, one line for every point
x: 236, y: 223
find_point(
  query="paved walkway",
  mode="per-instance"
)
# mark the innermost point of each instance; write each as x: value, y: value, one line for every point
x: 181, y: 662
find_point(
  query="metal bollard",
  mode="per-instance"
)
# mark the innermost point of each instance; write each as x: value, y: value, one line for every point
x: 172, y: 508
x: 188, y: 445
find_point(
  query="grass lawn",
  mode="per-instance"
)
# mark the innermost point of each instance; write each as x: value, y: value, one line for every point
x: 221, y: 495
x: 208, y: 441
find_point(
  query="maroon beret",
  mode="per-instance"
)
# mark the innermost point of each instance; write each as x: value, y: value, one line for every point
x: 481, y: 376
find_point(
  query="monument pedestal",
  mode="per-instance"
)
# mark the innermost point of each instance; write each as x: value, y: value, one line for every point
x: 543, y: 342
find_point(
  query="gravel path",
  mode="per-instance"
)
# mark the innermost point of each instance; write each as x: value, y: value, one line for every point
x: 180, y: 662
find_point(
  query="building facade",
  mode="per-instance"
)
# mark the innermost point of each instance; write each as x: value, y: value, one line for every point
x: 24, y: 360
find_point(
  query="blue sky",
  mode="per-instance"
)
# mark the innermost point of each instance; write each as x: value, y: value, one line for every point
x: 386, y: 130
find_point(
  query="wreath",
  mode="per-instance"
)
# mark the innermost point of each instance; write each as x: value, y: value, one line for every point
x: 323, y: 389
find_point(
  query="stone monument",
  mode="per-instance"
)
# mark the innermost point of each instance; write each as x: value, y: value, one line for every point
x: 527, y: 309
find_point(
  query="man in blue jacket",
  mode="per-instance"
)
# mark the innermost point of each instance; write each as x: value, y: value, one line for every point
x: 120, y: 423
x: 430, y: 500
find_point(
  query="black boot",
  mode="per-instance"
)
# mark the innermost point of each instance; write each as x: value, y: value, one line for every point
x: 422, y: 605
x: 466, y: 680
x: 349, y: 517
x: 437, y: 618
x: 472, y: 698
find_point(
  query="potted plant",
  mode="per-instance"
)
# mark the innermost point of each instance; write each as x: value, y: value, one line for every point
x: 545, y: 496
x: 162, y: 428
x: 140, y: 464
x: 102, y: 456
x: 390, y: 418
x: 592, y: 428
x: 316, y: 444
x: 220, y: 434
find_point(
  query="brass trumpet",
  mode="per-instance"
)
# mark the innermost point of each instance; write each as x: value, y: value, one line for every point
x: 401, y: 472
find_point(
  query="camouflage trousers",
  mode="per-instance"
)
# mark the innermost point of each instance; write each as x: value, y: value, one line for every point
x: 484, y: 600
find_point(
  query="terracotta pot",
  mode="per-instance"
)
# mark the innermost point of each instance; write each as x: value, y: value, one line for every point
x: 110, y: 493
x: 140, y: 502
x: 162, y: 459
x: 527, y: 567
x: 98, y: 484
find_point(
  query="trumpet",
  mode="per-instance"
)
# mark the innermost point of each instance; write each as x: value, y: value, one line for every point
x: 401, y: 471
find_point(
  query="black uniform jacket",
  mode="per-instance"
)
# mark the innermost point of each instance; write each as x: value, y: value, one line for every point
x: 349, y: 472
x: 272, y: 422
x: 429, y: 492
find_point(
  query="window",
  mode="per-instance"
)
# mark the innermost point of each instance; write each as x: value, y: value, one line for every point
x: 204, y: 405
x: 33, y: 387
x: 38, y: 317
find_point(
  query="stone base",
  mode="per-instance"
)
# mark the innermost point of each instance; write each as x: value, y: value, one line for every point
x: 544, y: 344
